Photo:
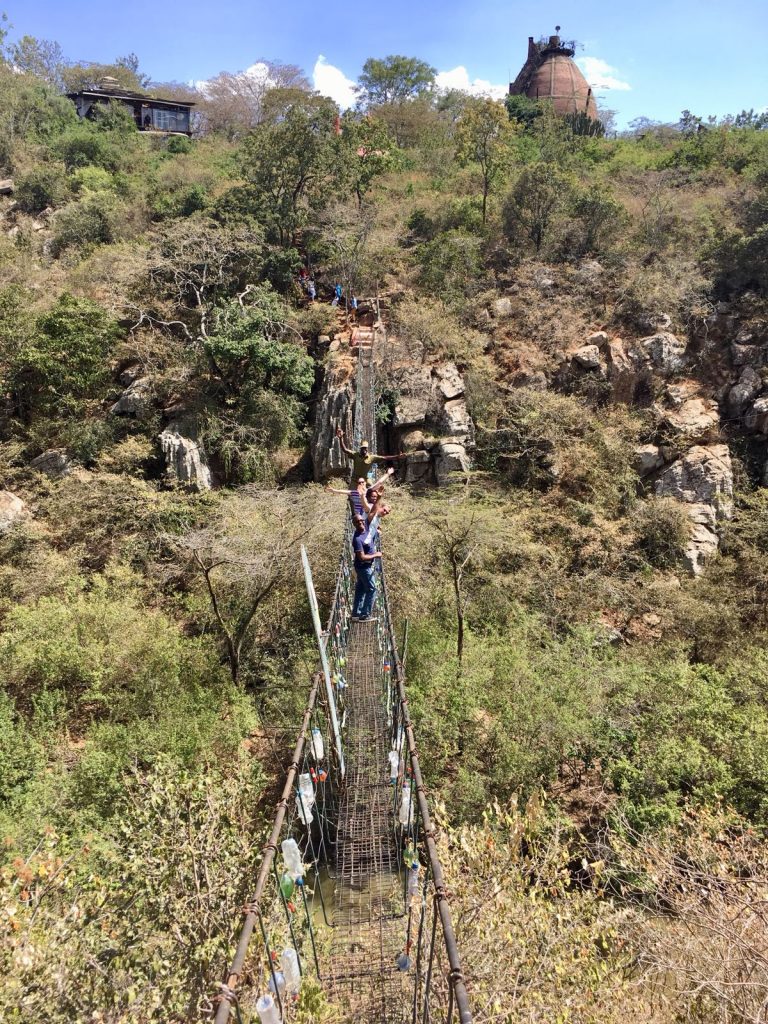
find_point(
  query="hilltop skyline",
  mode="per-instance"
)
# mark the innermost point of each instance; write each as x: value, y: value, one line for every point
x: 653, y: 62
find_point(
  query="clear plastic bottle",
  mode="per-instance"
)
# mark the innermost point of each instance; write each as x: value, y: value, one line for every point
x: 280, y: 978
x: 394, y: 762
x: 404, y: 816
x: 304, y: 810
x: 318, y: 747
x: 289, y: 961
x: 267, y: 1010
x: 306, y: 789
x: 294, y: 866
x: 413, y: 881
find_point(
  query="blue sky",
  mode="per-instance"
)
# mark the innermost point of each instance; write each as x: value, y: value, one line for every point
x: 652, y: 58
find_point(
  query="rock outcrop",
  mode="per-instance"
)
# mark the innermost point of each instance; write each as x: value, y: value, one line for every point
x: 664, y: 350
x: 12, y: 510
x: 134, y: 401
x: 432, y: 422
x: 185, y: 460
x: 333, y: 410
x: 702, y: 479
x: 54, y: 463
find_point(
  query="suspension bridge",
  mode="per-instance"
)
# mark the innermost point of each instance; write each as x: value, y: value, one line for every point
x: 350, y: 898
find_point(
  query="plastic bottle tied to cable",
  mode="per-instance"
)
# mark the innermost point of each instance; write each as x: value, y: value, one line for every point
x: 287, y: 885
x: 289, y: 961
x: 278, y: 977
x: 294, y: 866
x: 317, y: 745
x: 394, y: 762
x: 413, y: 881
x: 304, y: 812
x: 410, y: 856
x: 404, y: 816
x: 267, y: 1010
x: 305, y: 799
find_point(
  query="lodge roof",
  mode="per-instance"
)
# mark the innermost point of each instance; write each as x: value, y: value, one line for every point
x: 129, y: 95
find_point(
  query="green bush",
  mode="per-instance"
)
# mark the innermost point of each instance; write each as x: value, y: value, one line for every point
x: 661, y: 528
x: 83, y: 144
x: 111, y: 657
x: 63, y: 363
x: 19, y: 754
x: 43, y: 187
x: 91, y: 221
x: 451, y: 265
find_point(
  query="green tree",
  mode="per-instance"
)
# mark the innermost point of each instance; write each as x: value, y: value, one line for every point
x: 483, y: 136
x: 539, y: 193
x: 252, y: 343
x: 523, y: 110
x: 292, y: 166
x: 64, y: 361
x: 394, y: 79
x: 369, y: 151
x: 88, y: 75
x: 40, y: 57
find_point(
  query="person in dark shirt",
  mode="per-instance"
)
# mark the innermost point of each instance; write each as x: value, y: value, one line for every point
x: 365, y: 560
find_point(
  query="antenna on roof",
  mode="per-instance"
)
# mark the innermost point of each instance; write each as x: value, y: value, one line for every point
x: 557, y: 28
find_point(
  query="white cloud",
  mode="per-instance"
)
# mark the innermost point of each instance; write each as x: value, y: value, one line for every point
x: 458, y: 78
x: 331, y: 81
x: 601, y: 75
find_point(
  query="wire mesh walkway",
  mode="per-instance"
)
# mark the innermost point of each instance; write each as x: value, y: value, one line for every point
x: 362, y: 968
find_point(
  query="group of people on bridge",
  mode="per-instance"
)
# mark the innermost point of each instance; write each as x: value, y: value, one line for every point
x: 366, y: 498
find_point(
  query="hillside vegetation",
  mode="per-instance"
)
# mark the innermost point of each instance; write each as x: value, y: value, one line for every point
x: 590, y: 690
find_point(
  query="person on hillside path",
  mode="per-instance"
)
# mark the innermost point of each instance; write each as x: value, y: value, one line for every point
x: 311, y: 289
x: 365, y: 560
x: 364, y: 459
x: 338, y: 291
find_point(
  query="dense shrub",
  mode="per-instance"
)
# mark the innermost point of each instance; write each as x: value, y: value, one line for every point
x: 91, y: 221
x: 43, y: 187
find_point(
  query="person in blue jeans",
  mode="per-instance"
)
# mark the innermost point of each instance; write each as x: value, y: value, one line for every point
x: 365, y: 560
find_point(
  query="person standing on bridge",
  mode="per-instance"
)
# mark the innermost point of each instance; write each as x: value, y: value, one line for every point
x: 364, y: 459
x: 358, y: 496
x: 365, y: 561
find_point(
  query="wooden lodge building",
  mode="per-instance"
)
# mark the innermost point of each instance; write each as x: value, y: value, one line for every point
x: 151, y: 114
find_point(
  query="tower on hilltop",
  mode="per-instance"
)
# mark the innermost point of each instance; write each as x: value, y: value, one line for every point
x: 550, y: 73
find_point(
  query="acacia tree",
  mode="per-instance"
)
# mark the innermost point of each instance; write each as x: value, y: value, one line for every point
x: 196, y: 264
x: 394, y: 79
x: 463, y: 536
x: 245, y: 561
x: 483, y: 136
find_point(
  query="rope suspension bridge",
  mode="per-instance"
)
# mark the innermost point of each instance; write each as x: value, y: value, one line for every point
x: 350, y: 896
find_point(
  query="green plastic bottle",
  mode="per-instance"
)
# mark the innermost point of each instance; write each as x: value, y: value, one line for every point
x: 287, y: 885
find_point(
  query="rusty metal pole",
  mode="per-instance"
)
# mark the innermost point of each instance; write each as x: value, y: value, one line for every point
x: 252, y: 916
x: 456, y: 977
